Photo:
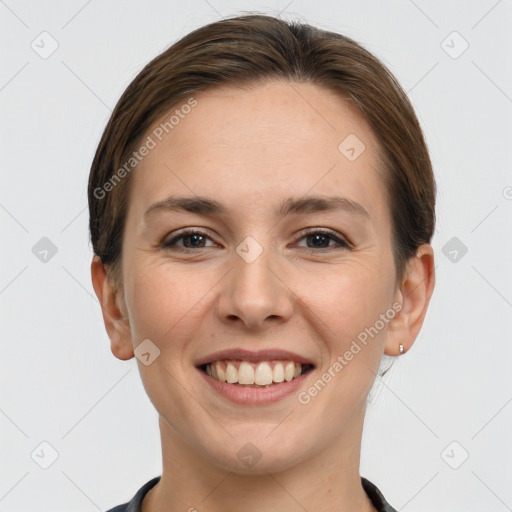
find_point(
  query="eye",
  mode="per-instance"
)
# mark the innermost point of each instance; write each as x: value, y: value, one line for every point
x: 321, y: 238
x: 315, y: 239
x: 190, y: 238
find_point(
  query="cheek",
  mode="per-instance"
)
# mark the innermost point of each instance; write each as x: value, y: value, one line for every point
x: 348, y: 310
x: 157, y: 300
x: 166, y: 302
x: 348, y: 300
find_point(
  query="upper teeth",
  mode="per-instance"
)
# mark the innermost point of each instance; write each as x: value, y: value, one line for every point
x: 261, y: 374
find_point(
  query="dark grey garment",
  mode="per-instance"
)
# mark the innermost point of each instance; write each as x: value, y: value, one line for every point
x: 371, y: 490
x: 376, y: 497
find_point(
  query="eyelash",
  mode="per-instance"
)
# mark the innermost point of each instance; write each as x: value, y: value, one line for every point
x: 342, y: 243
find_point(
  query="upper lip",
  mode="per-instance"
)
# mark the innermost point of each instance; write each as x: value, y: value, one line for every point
x: 253, y: 356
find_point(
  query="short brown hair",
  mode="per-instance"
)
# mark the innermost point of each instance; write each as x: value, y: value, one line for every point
x: 253, y: 49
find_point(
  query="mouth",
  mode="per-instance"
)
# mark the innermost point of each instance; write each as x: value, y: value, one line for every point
x: 261, y: 374
x: 254, y: 378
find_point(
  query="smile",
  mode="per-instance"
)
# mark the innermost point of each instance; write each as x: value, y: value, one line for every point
x: 249, y: 377
x: 261, y: 374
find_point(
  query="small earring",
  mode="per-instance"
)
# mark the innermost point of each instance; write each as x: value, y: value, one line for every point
x: 401, y: 348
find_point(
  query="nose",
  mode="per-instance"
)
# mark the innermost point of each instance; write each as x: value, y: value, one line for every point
x: 255, y: 294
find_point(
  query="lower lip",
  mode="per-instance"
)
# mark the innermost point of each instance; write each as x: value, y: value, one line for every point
x: 246, y: 395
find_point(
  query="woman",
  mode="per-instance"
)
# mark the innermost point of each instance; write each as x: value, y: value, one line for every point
x: 261, y: 211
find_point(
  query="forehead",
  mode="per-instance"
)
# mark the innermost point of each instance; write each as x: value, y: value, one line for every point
x: 260, y: 142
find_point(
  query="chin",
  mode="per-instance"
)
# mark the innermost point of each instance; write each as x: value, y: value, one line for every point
x: 255, y: 455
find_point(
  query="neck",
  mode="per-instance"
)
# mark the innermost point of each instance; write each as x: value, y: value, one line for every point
x: 327, y: 482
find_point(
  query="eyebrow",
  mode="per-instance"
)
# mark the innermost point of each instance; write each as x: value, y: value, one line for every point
x: 309, y: 204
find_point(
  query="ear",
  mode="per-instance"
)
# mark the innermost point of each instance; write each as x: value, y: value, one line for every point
x: 414, y: 296
x: 117, y: 326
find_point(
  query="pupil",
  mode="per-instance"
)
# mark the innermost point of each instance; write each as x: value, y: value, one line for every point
x: 318, y: 238
x: 195, y: 238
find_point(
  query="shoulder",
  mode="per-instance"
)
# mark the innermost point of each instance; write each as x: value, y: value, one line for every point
x: 119, y: 508
x: 134, y: 505
x: 376, y: 497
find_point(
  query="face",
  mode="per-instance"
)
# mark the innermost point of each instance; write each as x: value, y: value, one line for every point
x: 280, y: 257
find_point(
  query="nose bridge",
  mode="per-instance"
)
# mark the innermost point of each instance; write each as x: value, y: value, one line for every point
x: 253, y: 293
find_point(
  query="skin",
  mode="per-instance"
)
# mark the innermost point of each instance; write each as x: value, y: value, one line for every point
x: 250, y: 149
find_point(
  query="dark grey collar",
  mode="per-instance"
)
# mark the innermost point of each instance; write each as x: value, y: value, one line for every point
x: 135, y: 504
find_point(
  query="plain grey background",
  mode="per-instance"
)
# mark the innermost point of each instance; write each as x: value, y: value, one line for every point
x: 437, y: 432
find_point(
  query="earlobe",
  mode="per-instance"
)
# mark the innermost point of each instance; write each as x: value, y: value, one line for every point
x: 414, y: 296
x: 116, y: 324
